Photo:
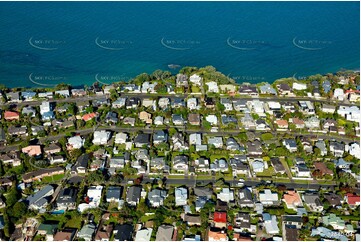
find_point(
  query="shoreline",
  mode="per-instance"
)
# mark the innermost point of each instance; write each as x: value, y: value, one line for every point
x: 48, y: 86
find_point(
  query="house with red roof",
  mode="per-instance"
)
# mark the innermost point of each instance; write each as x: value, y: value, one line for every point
x: 89, y: 116
x: 11, y: 115
x: 220, y: 219
x: 352, y: 200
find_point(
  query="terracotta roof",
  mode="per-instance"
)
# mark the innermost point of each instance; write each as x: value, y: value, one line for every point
x: 217, y: 235
x: 352, y: 199
x: 89, y: 116
x: 292, y: 197
x: 32, y: 150
x: 61, y: 236
x: 11, y: 115
x: 281, y: 122
x: 220, y: 217
x: 298, y: 121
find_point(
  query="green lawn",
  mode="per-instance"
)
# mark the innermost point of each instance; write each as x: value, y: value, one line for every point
x: 145, y: 218
x: 53, y: 178
x: 267, y: 172
x: 74, y: 222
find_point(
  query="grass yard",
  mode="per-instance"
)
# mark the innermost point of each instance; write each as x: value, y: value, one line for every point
x: 53, y: 178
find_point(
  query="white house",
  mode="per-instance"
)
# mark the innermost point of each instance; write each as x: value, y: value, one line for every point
x: 94, y: 195
x: 120, y: 138
x: 195, y: 79
x: 299, y: 86
x: 268, y: 198
x: 192, y: 104
x: 339, y: 94
x: 212, y: 87
x: 143, y: 234
x: 350, y: 113
x: 158, y: 120
x: 195, y: 139
x: 101, y: 137
x: 258, y: 166
x: 271, y: 224
x: 354, y: 150
x: 181, y: 196
x: 212, y: 119
x: 75, y: 142
x: 226, y: 195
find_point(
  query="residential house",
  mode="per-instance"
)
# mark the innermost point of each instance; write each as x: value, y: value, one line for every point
x: 201, y: 165
x: 219, y: 165
x: 121, y: 138
x: 180, y: 163
x: 89, y: 116
x: 335, y: 222
x: 87, y: 232
x: 158, y: 120
x: 338, y: 94
x: 81, y: 165
x: 226, y: 195
x: 132, y: 102
x: 299, y: 86
x: 123, y: 232
x: 248, y: 122
x: 240, y: 105
x: 258, y: 165
x: 267, y: 89
x: 281, y: 124
x: 181, y: 196
x: 119, y: 103
x: 290, y: 144
x: 216, y: 141
x: 284, y: 89
x: 313, y: 202
x: 160, y: 137
x: 268, y: 198
x: 30, y: 111
x: 350, y: 113
x: 143, y: 234
x: 47, y: 230
x: 182, y: 80
x: 228, y: 119
x: 212, y: 87
x: 337, y: 148
x: 270, y: 224
x: 322, y: 168
x: 114, y: 194
x: 242, y: 223
x: 227, y: 104
x: 66, y: 199
x: 292, y: 199
x: 17, y: 130
x: 65, y: 235
x: 321, y: 145
x: 352, y: 200
x: 104, y: 232
x: 239, y: 165
x: 216, y: 236
x: 39, y: 200
x: 255, y: 147
x: 133, y: 195
x: 250, y: 90
x: 333, y: 199
x: 157, y: 164
x: 312, y: 123
x: 75, y: 142
x: 220, y: 219
x: 212, y: 119
x: 195, y: 79
x: 328, y: 108
x: 147, y: 102
x: 177, y: 102
x: 101, y: 137
x: 156, y: 197
x: 12, y: 157
x: 142, y: 140
x: 277, y: 165
x: 299, y: 123
x: 232, y: 144
x: 194, y: 119
x: 13, y: 97
x: 192, y: 104
x: 32, y: 150
x: 53, y: 148
x: 11, y: 115
x: 164, y: 233
x: 129, y: 120
x: 177, y: 119
x: 179, y: 142
x: 145, y: 117
x: 163, y: 103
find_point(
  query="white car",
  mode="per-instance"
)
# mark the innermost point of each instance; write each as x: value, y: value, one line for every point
x: 214, y: 129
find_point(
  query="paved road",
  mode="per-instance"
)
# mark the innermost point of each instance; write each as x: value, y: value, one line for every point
x: 145, y: 95
x: 191, y: 182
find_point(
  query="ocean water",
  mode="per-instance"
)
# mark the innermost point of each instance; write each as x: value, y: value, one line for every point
x: 45, y: 43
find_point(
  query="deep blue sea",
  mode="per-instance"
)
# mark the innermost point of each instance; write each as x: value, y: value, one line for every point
x: 80, y: 42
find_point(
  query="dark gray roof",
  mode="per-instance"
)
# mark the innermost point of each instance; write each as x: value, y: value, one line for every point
x: 114, y: 192
x: 123, y: 232
x: 67, y: 195
x: 133, y: 194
